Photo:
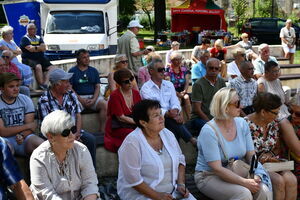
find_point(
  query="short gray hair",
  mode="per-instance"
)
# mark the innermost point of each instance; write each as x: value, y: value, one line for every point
x: 152, y: 64
x: 210, y: 60
x: 176, y: 54
x: 220, y: 103
x: 260, y: 47
x: 6, y: 29
x: 56, y: 122
x: 29, y: 26
x: 11, y: 54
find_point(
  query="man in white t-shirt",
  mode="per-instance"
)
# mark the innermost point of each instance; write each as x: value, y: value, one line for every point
x: 288, y: 39
x: 233, y: 68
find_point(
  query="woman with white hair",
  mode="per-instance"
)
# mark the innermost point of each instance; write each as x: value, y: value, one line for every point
x: 7, y: 43
x: 288, y: 40
x: 121, y: 62
x: 223, y: 139
x: 174, y: 47
x: 61, y: 167
x: 219, y: 52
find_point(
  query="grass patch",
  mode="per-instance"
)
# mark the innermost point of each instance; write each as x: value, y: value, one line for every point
x: 297, y: 57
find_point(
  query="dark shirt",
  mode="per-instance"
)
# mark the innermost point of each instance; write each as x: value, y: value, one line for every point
x: 84, y: 82
x: 25, y: 41
x: 203, y: 91
x: 9, y: 170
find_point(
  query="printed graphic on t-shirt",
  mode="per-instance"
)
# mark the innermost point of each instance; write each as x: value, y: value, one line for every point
x: 13, y: 117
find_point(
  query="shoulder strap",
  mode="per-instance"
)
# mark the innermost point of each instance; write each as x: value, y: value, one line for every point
x: 219, y: 139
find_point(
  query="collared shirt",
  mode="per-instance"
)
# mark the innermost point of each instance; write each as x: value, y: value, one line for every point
x: 233, y: 69
x: 166, y: 95
x: 203, y: 91
x: 47, y: 103
x: 134, y: 43
x: 9, y: 170
x: 198, y: 71
x: 245, y: 89
x: 259, y: 64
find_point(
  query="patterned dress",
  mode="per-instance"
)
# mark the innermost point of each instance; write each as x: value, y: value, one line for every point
x: 178, y: 79
x: 262, y: 144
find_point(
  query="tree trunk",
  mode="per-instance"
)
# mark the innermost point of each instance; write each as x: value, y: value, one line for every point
x: 159, y: 17
x: 149, y: 17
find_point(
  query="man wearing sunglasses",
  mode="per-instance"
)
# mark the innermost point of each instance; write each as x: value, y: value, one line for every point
x: 17, y: 123
x: 288, y: 40
x: 164, y: 92
x: 129, y: 45
x: 60, y: 97
x: 86, y: 84
x: 203, y: 91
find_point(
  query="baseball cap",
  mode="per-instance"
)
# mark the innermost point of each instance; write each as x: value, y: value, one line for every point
x: 58, y: 75
x: 134, y: 23
x: 7, y: 77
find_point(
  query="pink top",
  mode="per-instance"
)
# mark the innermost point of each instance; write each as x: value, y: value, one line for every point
x: 12, y: 69
x: 143, y: 75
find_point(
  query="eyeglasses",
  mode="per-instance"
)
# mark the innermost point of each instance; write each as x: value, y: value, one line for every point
x: 214, y: 68
x: 128, y: 80
x: 67, y: 132
x: 237, y: 104
x: 160, y: 69
x: 5, y: 57
x: 275, y: 71
x: 124, y: 61
x: 274, y: 113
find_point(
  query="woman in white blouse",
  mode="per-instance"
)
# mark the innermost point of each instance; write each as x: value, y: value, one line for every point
x: 151, y: 164
x: 62, y: 168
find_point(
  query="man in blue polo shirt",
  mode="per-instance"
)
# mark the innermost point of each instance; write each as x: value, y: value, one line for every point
x: 86, y: 84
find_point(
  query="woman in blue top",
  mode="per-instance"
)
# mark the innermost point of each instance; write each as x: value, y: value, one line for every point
x: 212, y: 176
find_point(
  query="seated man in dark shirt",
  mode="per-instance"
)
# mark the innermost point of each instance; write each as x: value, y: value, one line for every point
x: 10, y: 175
x: 33, y: 48
x: 86, y: 84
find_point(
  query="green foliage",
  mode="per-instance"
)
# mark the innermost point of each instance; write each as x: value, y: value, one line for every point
x: 263, y: 8
x: 294, y: 16
x: 123, y: 22
x: 127, y: 7
x: 145, y: 22
x: 241, y: 8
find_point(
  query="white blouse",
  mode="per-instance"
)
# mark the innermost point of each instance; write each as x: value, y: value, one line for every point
x: 139, y: 162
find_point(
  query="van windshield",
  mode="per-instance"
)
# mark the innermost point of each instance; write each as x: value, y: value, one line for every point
x: 75, y: 22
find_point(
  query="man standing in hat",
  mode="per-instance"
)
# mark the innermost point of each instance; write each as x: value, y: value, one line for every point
x: 17, y: 124
x: 129, y: 45
x: 288, y: 40
x: 60, y: 97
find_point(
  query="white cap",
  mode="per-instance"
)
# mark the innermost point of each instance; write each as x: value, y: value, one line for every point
x: 134, y: 23
x: 288, y: 21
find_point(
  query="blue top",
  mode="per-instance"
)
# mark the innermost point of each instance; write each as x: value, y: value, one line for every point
x: 9, y: 170
x: 78, y: 1
x: 35, y: 41
x: 209, y: 148
x: 198, y: 71
x: 84, y: 82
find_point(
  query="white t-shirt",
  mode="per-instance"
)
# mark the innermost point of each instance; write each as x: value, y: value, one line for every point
x: 289, y: 35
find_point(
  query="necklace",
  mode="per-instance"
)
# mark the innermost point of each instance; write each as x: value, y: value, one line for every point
x: 127, y: 98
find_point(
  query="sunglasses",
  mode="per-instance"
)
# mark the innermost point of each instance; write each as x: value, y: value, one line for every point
x: 67, y: 132
x: 237, y: 104
x: 128, y: 80
x: 289, y: 33
x: 7, y: 57
x: 124, y: 61
x: 160, y: 69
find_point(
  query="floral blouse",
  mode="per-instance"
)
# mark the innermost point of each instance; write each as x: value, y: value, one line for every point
x: 178, y: 79
x: 262, y: 144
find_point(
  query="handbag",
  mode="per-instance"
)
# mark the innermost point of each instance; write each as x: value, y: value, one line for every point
x: 238, y: 167
x: 115, y: 123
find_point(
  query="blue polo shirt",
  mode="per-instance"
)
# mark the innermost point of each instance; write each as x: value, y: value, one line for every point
x: 84, y: 82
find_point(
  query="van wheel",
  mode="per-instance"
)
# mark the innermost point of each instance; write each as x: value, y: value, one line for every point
x: 254, y: 40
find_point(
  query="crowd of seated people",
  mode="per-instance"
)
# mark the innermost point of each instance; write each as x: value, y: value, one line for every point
x: 145, y: 122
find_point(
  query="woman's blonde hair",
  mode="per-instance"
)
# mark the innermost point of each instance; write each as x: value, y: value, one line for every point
x: 219, y: 42
x: 220, y: 102
x: 244, y: 35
